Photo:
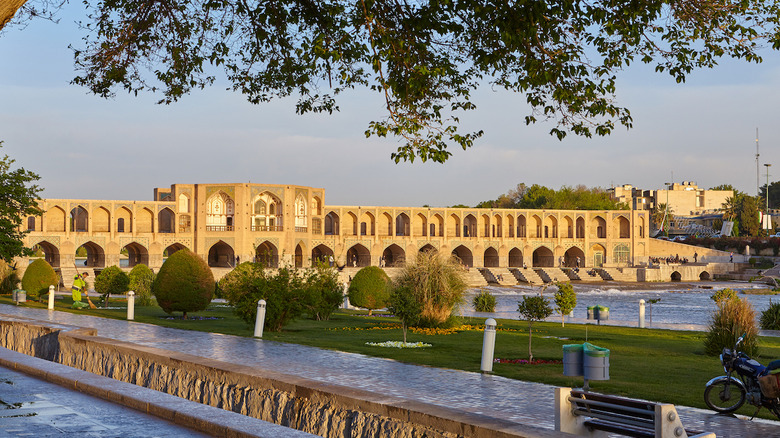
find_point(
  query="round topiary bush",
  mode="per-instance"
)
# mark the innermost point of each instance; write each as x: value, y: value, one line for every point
x: 37, y: 279
x: 184, y: 284
x: 111, y: 280
x: 141, y: 279
x: 369, y: 289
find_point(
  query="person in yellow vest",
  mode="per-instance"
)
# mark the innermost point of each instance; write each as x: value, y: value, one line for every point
x: 79, y: 285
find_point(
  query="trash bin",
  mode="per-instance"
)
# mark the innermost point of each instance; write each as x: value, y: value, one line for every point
x: 21, y: 296
x: 591, y: 312
x: 595, y: 362
x: 602, y: 313
x: 572, y: 360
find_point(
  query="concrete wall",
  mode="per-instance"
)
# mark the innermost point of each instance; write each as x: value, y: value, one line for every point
x: 314, y: 407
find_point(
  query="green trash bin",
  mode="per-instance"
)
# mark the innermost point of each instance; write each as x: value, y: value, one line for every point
x: 595, y: 362
x: 572, y: 360
x: 602, y: 313
x: 591, y: 312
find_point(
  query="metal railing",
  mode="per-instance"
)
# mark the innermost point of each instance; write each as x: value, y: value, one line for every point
x: 267, y: 228
x: 219, y: 227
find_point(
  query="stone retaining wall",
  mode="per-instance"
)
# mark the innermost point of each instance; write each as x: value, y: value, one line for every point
x: 303, y: 404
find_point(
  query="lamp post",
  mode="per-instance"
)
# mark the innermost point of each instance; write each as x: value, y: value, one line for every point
x: 666, y: 214
x: 766, y: 215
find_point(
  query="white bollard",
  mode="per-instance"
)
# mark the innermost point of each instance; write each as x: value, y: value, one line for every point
x: 260, y: 320
x: 130, y: 306
x: 641, y: 313
x: 488, y: 345
x: 51, y: 297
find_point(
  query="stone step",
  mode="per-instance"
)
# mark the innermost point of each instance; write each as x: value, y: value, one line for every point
x: 500, y: 276
x: 526, y: 275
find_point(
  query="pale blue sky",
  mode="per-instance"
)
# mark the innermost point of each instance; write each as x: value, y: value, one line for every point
x: 83, y: 146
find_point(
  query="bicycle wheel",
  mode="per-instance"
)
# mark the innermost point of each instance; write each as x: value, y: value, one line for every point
x: 724, y: 396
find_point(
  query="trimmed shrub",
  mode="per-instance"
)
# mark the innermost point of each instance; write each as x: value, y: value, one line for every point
x: 405, y: 307
x: 770, y: 318
x: 241, y: 281
x: 184, y: 284
x: 141, y: 279
x: 369, y: 289
x: 37, y: 278
x: 733, y: 318
x: 438, y: 284
x: 111, y: 280
x: 533, y: 308
x: 484, y: 302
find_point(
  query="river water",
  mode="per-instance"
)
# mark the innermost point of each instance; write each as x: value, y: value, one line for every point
x: 680, y: 303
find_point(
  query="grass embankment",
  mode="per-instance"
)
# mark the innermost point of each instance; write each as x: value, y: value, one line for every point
x: 661, y: 365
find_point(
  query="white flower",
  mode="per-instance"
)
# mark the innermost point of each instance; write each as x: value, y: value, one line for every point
x: 399, y: 344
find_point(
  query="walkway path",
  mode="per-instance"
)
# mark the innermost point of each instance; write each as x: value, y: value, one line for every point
x: 517, y: 401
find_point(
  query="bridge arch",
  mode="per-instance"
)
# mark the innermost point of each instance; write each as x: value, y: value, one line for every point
x: 167, y: 252
x: 428, y: 247
x: 490, y: 258
x: 299, y: 250
x: 515, y: 258
x: 394, y: 256
x: 267, y: 255
x: 332, y: 224
x: 464, y: 254
x: 358, y: 256
x: 321, y: 253
x: 79, y: 219
x: 221, y: 255
x: 704, y: 276
x: 50, y: 253
x: 571, y: 255
x: 96, y: 256
x: 166, y: 220
x: 543, y: 258
x: 676, y: 276
x: 136, y: 254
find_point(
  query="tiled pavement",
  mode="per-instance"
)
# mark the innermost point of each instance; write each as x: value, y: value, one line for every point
x: 517, y: 401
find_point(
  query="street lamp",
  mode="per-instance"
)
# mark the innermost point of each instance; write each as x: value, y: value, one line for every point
x: 766, y: 216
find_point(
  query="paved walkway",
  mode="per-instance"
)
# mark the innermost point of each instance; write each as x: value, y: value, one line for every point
x: 494, y: 396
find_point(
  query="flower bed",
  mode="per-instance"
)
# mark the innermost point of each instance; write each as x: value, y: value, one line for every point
x: 526, y: 362
x: 399, y: 344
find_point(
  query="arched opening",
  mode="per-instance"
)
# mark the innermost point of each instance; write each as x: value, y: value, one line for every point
x: 101, y: 220
x: 358, y: 256
x: 332, y: 224
x: 623, y: 227
x: 569, y: 224
x: 301, y: 214
x: 185, y: 223
x: 491, y: 258
x: 385, y: 225
x: 30, y: 223
x: 124, y: 220
x: 580, y: 228
x: 316, y: 206
x: 166, y: 220
x: 220, y: 208
x: 485, y: 219
x: 437, y: 223
x: 521, y: 228
x: 299, y: 256
x: 453, y: 226
x: 543, y: 258
x: 498, y: 226
x: 50, y: 253
x: 221, y: 255
x: 393, y: 256
x: 321, y: 253
x: 428, y: 247
x: 621, y: 254
x: 402, y: 226
x: 465, y: 256
x: 144, y: 221
x: 90, y: 255
x: 350, y: 224
x: 136, y: 254
x: 704, y: 276
x: 598, y: 228
x: 551, y: 227
x: 470, y: 226
x: 184, y: 203
x: 536, y: 224
x: 515, y: 258
x: 598, y: 253
x: 55, y: 219
x: 79, y: 218
x: 420, y: 225
x: 266, y: 213
x: 267, y: 255
x: 367, y: 224
x: 172, y: 249
x: 676, y: 276
x: 574, y: 257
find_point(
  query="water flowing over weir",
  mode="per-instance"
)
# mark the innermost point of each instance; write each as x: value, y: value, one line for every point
x: 680, y: 303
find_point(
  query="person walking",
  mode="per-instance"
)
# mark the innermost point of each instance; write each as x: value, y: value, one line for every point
x: 79, y: 285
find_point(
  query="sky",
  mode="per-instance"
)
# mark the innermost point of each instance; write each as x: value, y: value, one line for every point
x: 87, y: 147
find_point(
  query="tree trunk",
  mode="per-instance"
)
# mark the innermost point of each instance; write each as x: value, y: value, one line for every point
x: 530, y: 354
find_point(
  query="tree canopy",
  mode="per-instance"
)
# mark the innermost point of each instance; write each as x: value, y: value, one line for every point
x: 18, y: 200
x: 566, y: 198
x: 424, y: 59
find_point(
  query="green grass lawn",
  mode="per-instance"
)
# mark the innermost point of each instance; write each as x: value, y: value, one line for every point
x: 660, y: 365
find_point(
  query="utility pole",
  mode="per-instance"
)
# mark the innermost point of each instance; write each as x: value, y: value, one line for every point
x: 767, y: 218
x: 758, y: 193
